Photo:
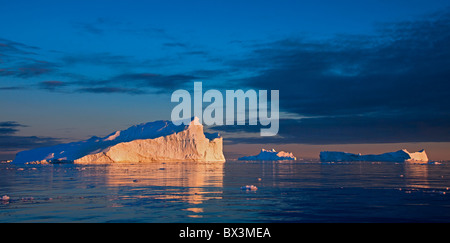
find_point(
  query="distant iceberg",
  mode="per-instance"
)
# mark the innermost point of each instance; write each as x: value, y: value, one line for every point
x: 398, y: 156
x: 147, y: 142
x: 270, y: 155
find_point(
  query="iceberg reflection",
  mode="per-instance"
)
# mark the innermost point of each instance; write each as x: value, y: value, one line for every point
x: 191, y: 182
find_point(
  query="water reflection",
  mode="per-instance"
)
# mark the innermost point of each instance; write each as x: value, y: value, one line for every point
x: 386, y: 175
x: 311, y: 174
x: 210, y: 192
x: 416, y: 175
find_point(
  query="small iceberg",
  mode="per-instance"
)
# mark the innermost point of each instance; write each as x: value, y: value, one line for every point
x: 249, y: 188
x: 270, y: 155
x: 398, y: 156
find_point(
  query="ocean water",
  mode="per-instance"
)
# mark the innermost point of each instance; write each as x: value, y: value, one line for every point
x: 287, y: 191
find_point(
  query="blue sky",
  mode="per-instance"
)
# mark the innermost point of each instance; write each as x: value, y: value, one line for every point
x: 366, y: 72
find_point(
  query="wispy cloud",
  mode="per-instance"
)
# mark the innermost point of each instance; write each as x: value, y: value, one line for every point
x: 126, y: 83
x: 158, y: 81
x: 53, y: 85
x: 104, y: 58
x: 11, y: 124
x: 20, y: 60
x: 104, y: 26
x: 11, y: 142
x: 175, y: 44
x: 13, y: 47
x: 9, y: 127
x: 110, y: 90
x: 6, y: 88
x: 17, y: 143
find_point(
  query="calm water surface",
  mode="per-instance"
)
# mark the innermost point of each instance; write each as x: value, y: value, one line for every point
x: 298, y: 191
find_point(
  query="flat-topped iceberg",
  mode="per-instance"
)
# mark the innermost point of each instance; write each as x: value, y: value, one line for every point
x: 270, y: 155
x: 147, y: 142
x: 398, y: 156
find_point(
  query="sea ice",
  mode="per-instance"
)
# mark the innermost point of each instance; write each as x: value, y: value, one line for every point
x: 249, y: 188
x: 398, y: 156
x: 147, y: 142
x: 270, y: 155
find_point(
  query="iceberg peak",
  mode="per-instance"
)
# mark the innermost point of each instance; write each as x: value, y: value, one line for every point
x: 195, y: 121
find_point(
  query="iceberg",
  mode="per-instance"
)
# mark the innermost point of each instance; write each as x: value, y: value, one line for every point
x: 147, y: 142
x: 249, y: 188
x: 270, y: 155
x: 398, y: 156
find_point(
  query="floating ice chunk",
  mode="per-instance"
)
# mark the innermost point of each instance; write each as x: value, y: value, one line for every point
x: 270, y: 155
x: 249, y: 188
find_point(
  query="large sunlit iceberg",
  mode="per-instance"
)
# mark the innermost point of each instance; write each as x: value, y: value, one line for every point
x: 270, y: 155
x: 147, y: 142
x: 398, y: 156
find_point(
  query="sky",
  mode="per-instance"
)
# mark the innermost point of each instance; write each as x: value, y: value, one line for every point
x: 361, y: 76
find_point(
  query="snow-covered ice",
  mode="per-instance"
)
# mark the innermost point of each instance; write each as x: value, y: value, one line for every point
x: 152, y: 141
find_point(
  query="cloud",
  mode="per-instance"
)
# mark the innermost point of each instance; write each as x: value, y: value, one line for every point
x: 392, y: 86
x: 103, y: 58
x: 16, y: 143
x: 128, y: 81
x: 175, y: 44
x: 96, y: 58
x: 8, y: 47
x: 91, y: 28
x: 158, y: 81
x: 96, y: 27
x: 28, y: 70
x: 197, y: 53
x: 19, y: 60
x: 125, y: 83
x: 52, y: 85
x: 344, y: 130
x: 8, y: 88
x: 24, y: 67
x: 11, y: 124
x: 133, y: 82
x: 104, y: 26
x: 356, y: 75
x: 9, y: 127
x: 8, y: 130
x: 110, y: 90
x: 134, y: 76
